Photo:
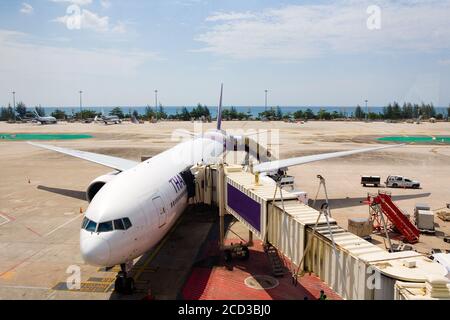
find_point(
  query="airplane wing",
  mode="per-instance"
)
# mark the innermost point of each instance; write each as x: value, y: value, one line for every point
x: 286, y: 163
x: 107, y: 161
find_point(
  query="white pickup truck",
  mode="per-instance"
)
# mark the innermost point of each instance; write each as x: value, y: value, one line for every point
x: 401, y: 182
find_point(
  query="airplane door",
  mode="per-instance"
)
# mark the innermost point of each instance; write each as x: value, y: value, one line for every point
x: 159, y: 205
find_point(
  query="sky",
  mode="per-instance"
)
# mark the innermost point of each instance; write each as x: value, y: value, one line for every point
x: 305, y: 53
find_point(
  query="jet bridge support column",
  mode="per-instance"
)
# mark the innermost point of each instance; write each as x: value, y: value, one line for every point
x: 240, y: 250
x: 221, y: 203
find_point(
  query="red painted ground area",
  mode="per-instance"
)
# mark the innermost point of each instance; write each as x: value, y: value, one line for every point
x: 221, y: 283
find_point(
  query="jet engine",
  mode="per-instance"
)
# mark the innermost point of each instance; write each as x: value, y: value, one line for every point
x: 98, y: 183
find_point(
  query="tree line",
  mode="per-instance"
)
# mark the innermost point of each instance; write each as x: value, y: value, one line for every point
x: 19, y: 112
x: 393, y: 111
x: 200, y: 112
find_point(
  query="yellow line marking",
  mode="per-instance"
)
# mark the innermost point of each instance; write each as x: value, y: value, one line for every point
x: 109, y: 287
x: 156, y: 251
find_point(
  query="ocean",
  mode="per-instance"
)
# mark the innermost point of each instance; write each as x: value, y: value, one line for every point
x: 254, y: 111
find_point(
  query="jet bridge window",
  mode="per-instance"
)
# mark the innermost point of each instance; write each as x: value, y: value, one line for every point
x: 105, y: 227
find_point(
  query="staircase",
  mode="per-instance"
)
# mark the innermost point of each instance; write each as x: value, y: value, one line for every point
x: 278, y: 268
x: 396, y: 216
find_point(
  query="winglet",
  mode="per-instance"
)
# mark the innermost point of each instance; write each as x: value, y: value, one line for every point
x: 219, y: 110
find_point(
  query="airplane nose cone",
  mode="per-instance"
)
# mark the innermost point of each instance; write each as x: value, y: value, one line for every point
x: 95, y: 251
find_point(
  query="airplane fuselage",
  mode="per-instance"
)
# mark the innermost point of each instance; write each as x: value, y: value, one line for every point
x: 151, y: 196
x: 111, y: 119
x: 46, y: 120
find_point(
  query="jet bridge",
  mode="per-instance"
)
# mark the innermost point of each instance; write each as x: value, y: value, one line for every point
x: 351, y: 266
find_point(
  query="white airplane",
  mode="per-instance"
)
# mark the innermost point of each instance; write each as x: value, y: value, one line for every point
x: 44, y: 120
x: 133, y: 208
x: 108, y: 119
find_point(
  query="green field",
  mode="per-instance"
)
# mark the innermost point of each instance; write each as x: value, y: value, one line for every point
x: 34, y: 136
x: 418, y: 139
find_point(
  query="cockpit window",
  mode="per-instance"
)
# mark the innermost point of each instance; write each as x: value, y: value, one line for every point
x: 84, y: 223
x: 118, y: 225
x: 127, y: 223
x: 105, y: 227
x: 91, y: 226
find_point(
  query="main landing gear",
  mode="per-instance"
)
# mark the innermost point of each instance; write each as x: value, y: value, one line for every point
x: 124, y: 284
x: 239, y: 251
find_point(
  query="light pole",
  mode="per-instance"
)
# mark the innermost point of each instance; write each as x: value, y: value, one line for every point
x: 156, y: 104
x: 14, y: 105
x: 367, y: 110
x: 81, y: 105
x: 265, y: 105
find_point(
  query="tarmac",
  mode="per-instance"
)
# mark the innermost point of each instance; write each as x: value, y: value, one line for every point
x: 42, y: 200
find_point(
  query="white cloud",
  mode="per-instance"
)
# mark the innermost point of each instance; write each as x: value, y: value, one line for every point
x: 119, y: 28
x: 222, y: 16
x: 77, y: 2
x: 188, y: 3
x: 105, y: 4
x: 303, y: 31
x: 92, y: 21
x: 26, y: 9
x: 55, y: 73
x: 16, y: 49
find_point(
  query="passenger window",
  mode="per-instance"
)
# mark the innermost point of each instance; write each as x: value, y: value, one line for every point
x: 127, y: 223
x: 118, y: 225
x: 91, y: 226
x: 84, y: 223
x: 105, y: 227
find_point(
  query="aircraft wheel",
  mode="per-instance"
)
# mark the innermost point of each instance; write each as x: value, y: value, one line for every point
x: 124, y: 285
x: 394, y: 185
x: 129, y: 286
x: 245, y: 253
x: 228, y: 256
x: 119, y: 285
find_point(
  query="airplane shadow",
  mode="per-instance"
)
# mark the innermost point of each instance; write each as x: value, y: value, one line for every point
x: 353, y: 202
x: 79, y: 195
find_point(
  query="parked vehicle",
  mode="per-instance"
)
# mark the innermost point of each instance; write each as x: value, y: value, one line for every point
x: 372, y: 180
x: 401, y: 182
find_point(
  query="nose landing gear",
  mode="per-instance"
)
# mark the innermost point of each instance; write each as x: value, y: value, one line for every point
x: 123, y: 283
